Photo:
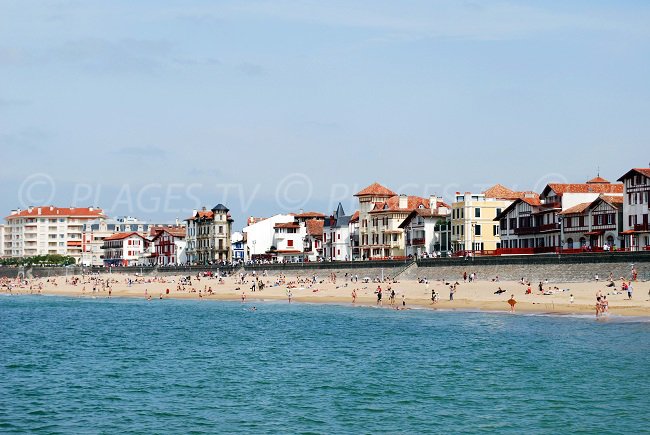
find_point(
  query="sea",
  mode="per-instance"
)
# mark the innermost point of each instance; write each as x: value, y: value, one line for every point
x: 130, y: 366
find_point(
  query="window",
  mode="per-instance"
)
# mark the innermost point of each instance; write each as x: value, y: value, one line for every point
x: 477, y: 212
x: 338, y: 236
x: 495, y: 230
x: 477, y: 230
x: 220, y: 229
x: 290, y: 243
x: 498, y: 211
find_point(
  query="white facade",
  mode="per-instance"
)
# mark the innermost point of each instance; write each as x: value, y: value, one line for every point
x: 168, y: 247
x: 2, y: 241
x: 337, y: 243
x: 428, y: 233
x: 125, y: 249
x: 260, y: 235
x: 636, y: 214
x: 238, y: 246
x: 47, y: 230
x: 209, y: 235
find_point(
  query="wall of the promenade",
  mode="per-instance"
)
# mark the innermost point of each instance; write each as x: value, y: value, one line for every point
x: 564, y: 268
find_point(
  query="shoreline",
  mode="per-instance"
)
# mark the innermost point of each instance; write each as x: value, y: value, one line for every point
x: 484, y: 296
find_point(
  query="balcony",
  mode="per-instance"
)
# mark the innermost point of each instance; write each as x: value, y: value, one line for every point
x: 527, y: 230
x: 549, y: 227
x: 642, y: 227
x: 418, y: 241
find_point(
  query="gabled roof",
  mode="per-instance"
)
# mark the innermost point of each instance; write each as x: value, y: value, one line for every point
x: 413, y: 202
x: 376, y: 189
x: 614, y: 201
x: 179, y: 232
x: 355, y: 217
x: 530, y: 200
x: 315, y: 227
x: 121, y: 236
x: 634, y: 171
x: 576, y: 209
x: 426, y: 213
x: 499, y: 191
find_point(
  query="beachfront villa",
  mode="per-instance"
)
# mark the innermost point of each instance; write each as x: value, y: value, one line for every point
x: 428, y: 231
x: 636, y: 226
x: 125, y: 249
x: 169, y: 246
x: 209, y: 235
x: 472, y: 218
x: 47, y: 230
x: 238, y: 242
x: 2, y: 241
x: 338, y: 236
x: 259, y: 236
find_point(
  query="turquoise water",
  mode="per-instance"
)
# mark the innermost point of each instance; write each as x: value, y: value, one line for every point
x: 131, y: 366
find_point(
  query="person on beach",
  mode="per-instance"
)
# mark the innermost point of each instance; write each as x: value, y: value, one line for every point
x: 512, y: 303
x: 403, y: 301
x: 434, y: 296
x: 243, y: 297
x: 379, y: 296
x: 289, y: 295
x: 452, y: 290
x: 354, y: 296
x: 571, y: 299
x: 110, y: 292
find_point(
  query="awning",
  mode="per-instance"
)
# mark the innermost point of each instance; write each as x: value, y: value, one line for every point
x: 595, y: 233
x: 628, y: 232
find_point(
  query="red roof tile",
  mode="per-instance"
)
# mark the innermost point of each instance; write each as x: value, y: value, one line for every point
x: 562, y: 188
x: 287, y: 225
x: 642, y: 171
x: 392, y: 204
x: 376, y: 189
x: 598, y: 180
x: 310, y: 214
x: 120, y: 236
x: 355, y: 217
x: 49, y: 211
x: 315, y: 227
x: 579, y: 208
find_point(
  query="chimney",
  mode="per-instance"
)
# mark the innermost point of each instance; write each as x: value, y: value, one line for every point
x: 177, y: 222
x: 433, y: 203
x: 39, y: 210
x: 193, y: 212
x: 403, y: 201
x: 30, y: 208
x: 203, y: 209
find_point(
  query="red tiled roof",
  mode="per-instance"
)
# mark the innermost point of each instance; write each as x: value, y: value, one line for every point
x: 500, y: 192
x: 355, y: 217
x: 376, y: 189
x: 579, y: 208
x: 534, y: 201
x: 287, y: 225
x: 598, y: 180
x: 49, y: 211
x: 315, y: 227
x: 120, y: 236
x: 642, y: 171
x: 562, y: 188
x: 172, y: 231
x: 205, y: 214
x: 310, y: 214
x: 614, y: 200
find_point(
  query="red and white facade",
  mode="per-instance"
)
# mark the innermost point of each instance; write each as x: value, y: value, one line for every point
x: 169, y: 246
x: 125, y: 249
x: 636, y: 226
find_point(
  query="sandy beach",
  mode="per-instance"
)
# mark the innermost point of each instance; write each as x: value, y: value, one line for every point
x: 477, y: 295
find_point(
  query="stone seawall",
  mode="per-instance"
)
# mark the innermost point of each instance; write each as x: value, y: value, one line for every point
x: 565, y: 268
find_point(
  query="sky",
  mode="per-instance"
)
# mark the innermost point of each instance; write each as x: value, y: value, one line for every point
x: 155, y: 108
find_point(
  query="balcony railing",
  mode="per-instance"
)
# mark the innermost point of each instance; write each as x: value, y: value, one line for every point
x: 549, y: 227
x: 642, y: 227
x: 418, y: 241
x: 527, y: 230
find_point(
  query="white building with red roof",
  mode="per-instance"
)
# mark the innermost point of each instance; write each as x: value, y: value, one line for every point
x: 636, y: 226
x: 428, y: 231
x: 260, y: 235
x: 47, y: 230
x: 2, y: 241
x: 125, y: 249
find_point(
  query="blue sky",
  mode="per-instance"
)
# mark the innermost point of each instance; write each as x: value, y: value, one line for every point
x: 152, y: 108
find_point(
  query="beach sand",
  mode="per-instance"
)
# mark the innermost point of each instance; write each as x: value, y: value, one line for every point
x: 478, y: 295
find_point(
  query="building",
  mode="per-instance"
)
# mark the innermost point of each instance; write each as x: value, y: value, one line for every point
x: 209, y: 236
x: 594, y: 225
x: 472, y: 218
x: 169, y: 246
x: 381, y: 212
x: 538, y: 221
x: 259, y: 236
x: 2, y: 241
x: 428, y: 231
x: 337, y: 236
x: 47, y: 230
x: 125, y: 249
x: 238, y: 241
x: 95, y: 231
x: 636, y: 229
